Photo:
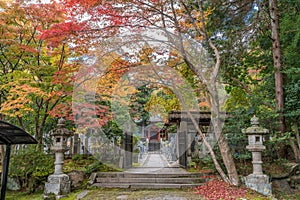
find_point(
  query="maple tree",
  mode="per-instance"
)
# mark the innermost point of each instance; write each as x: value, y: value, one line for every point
x: 115, y: 68
x: 35, y: 74
x: 41, y: 56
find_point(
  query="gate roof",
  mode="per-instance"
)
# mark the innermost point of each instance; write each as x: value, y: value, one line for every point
x: 11, y: 134
x: 202, y: 117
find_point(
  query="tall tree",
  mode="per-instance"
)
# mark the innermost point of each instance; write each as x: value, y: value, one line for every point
x: 138, y: 104
x: 277, y: 59
x: 289, y: 36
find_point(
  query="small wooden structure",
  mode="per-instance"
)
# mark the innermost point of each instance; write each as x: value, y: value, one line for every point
x: 153, y: 132
x: 10, y: 135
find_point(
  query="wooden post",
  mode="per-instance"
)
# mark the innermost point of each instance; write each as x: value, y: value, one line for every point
x: 182, y: 136
x: 5, y: 171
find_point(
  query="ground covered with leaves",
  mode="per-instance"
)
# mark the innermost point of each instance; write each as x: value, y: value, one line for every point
x: 217, y: 189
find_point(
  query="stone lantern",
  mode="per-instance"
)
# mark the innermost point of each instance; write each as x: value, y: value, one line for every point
x: 58, y: 183
x: 257, y: 180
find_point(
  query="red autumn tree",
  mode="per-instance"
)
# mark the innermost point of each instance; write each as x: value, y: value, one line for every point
x: 35, y: 74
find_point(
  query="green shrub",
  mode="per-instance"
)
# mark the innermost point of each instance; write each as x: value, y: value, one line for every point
x: 100, y: 167
x: 77, y: 157
x: 192, y: 164
x: 31, y: 166
x: 95, y: 166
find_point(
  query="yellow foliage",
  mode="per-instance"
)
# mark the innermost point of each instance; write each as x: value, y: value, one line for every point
x: 192, y: 20
x: 111, y: 77
x: 123, y: 91
x: 19, y: 100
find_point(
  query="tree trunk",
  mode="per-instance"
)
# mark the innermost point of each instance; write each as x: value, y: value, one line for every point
x: 209, y: 147
x: 297, y: 146
x: 295, y: 149
x: 228, y: 160
x: 296, y: 127
x: 215, y: 107
x: 2, y: 149
x: 276, y: 50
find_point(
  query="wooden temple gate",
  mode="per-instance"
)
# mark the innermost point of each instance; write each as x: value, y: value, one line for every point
x: 186, y: 131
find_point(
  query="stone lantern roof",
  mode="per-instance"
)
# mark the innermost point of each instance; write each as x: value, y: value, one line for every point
x: 61, y: 130
x: 255, y: 129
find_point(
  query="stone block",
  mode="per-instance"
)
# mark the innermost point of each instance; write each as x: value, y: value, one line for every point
x: 13, y: 184
x: 57, y: 184
x: 282, y: 186
x: 259, y: 183
x: 77, y: 178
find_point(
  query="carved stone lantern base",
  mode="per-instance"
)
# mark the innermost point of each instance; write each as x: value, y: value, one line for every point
x: 58, y: 185
x: 259, y: 183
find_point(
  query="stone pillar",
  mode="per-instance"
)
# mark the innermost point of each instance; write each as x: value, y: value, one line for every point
x: 58, y: 184
x: 128, y: 149
x: 75, y: 144
x: 71, y: 147
x: 189, y: 140
x: 257, y: 180
x: 86, y: 144
x: 59, y: 161
x: 182, y: 147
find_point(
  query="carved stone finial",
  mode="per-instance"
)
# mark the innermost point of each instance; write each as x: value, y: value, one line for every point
x: 254, y: 121
x: 61, y: 122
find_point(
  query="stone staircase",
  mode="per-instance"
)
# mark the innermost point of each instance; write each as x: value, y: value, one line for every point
x: 151, y: 180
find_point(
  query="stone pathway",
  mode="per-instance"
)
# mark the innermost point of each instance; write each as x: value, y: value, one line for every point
x: 156, y: 163
x: 122, y: 194
x: 155, y: 160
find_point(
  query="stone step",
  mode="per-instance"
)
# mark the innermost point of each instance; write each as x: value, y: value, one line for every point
x: 145, y: 185
x: 151, y: 180
x: 159, y: 180
x: 148, y: 175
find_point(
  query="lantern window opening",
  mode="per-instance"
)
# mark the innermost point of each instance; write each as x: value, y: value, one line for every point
x: 257, y: 139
